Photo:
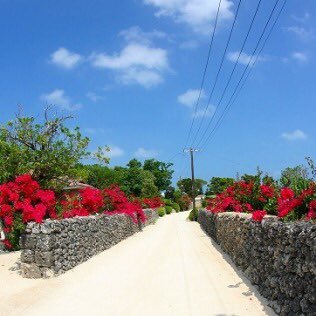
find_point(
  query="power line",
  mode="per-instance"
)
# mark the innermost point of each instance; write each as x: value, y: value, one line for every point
x: 204, y: 73
x: 219, y: 70
x: 235, y: 66
x: 174, y: 156
x: 236, y: 91
x: 239, y: 87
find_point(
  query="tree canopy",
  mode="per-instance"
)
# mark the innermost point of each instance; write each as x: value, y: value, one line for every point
x: 185, y: 186
x: 134, y: 179
x: 218, y: 185
x: 162, y: 172
x: 47, y: 149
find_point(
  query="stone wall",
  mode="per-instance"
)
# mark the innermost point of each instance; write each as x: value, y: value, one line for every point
x: 53, y: 247
x: 279, y: 258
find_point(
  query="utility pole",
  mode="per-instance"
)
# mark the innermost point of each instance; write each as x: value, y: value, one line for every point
x: 192, y: 150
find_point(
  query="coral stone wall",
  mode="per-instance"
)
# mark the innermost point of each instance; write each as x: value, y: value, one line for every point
x: 280, y: 258
x: 53, y: 247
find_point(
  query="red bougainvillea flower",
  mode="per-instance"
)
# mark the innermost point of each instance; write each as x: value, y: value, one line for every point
x: 117, y: 202
x: 287, y: 194
x: 23, y: 198
x: 258, y: 215
x: 154, y: 202
x: 7, y: 244
x: 312, y: 210
x: 92, y: 200
x: 267, y: 191
x: 8, y: 220
x: 287, y: 206
x: 248, y: 207
x: 246, y: 197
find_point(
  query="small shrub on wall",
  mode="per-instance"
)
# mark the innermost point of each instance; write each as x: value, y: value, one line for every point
x: 193, y: 216
x: 176, y: 207
x: 161, y: 211
x: 168, y: 209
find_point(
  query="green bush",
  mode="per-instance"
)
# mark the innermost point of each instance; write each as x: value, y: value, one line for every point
x: 204, y: 203
x: 168, y: 209
x: 176, y: 207
x: 168, y: 202
x: 193, y: 216
x: 161, y: 211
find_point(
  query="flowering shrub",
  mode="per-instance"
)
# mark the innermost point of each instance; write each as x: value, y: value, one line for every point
x: 117, y: 202
x: 87, y: 202
x: 22, y: 201
x: 153, y: 202
x: 297, y: 205
x: 258, y: 215
x: 91, y: 201
x: 262, y: 199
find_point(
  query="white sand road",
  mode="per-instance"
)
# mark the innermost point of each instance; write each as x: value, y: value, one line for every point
x: 171, y: 268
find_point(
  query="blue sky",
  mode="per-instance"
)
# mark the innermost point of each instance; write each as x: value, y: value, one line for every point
x: 129, y: 71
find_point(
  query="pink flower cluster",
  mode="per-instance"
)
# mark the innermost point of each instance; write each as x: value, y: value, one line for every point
x: 23, y: 198
x: 153, y: 202
x: 117, y: 202
x: 87, y: 202
x: 303, y: 203
x: 22, y: 201
x: 258, y: 199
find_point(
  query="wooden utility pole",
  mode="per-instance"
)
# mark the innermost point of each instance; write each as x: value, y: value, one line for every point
x: 192, y: 150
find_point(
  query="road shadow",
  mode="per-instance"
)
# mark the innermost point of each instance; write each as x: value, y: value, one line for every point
x: 16, y: 267
x: 253, y: 290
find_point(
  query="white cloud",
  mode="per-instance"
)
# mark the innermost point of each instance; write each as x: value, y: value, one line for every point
x: 300, y: 57
x: 145, y: 153
x: 301, y: 32
x: 145, y: 78
x: 115, y: 151
x: 198, y: 14
x: 135, y: 35
x: 92, y: 130
x: 133, y: 55
x: 189, y: 98
x: 302, y: 19
x: 136, y: 63
x: 94, y: 97
x: 295, y: 135
x: 190, y: 44
x: 60, y: 99
x: 244, y: 58
x: 209, y: 112
x: 64, y: 58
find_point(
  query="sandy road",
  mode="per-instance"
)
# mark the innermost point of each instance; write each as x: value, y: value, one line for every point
x: 171, y: 268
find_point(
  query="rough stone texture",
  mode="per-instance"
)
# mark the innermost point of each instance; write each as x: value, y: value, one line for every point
x: 279, y: 258
x: 53, y: 247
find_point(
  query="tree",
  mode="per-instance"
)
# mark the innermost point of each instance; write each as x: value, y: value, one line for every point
x: 98, y: 176
x: 132, y: 180
x: 185, y: 186
x: 296, y: 178
x: 268, y: 180
x: 218, y: 185
x: 162, y: 172
x: 48, y: 150
x: 134, y: 163
x: 312, y: 166
x: 149, y: 188
x: 182, y: 199
x: 169, y: 193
